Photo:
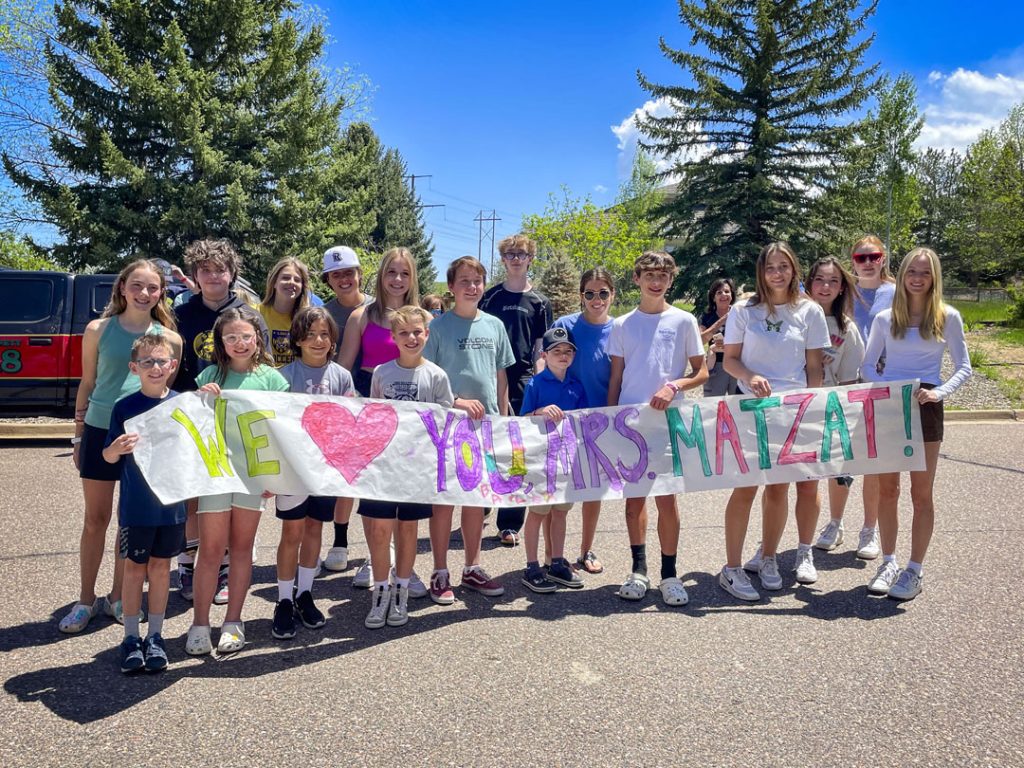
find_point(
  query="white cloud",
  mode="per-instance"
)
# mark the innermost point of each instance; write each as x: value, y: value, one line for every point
x: 600, y: 189
x: 957, y: 107
x: 628, y: 135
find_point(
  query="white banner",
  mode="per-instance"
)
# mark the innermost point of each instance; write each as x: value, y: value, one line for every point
x: 251, y: 442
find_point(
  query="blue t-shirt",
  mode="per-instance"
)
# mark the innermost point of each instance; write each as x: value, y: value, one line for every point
x: 545, y: 389
x: 871, y: 302
x: 138, y: 505
x: 592, y: 364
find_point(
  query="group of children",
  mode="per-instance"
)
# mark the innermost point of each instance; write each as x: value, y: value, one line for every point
x: 780, y: 338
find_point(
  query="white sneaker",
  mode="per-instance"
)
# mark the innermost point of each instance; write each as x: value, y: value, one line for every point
x: 806, y: 573
x: 769, y: 573
x: 398, y: 610
x: 754, y: 564
x: 736, y: 582
x: 364, y: 576
x: 868, y: 548
x: 884, y: 578
x: 337, y: 559
x: 380, y: 602
x: 417, y: 588
x: 831, y: 536
x: 908, y: 585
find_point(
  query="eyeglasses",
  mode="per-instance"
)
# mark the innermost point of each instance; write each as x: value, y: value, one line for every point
x: 516, y: 256
x: 603, y: 294
x: 153, y: 362
x: 864, y: 258
x: 234, y: 338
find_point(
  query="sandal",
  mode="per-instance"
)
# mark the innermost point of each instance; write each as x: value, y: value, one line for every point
x: 232, y: 637
x: 198, y: 643
x: 673, y: 592
x: 635, y: 587
x: 589, y: 563
x: 509, y: 538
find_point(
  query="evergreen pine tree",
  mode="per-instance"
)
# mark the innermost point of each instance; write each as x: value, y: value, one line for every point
x: 760, y: 127
x: 183, y: 120
x: 559, y: 282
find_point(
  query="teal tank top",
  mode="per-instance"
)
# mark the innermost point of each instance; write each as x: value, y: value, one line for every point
x: 113, y: 379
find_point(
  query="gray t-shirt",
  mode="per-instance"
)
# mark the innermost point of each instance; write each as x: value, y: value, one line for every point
x: 331, y: 379
x: 341, y: 314
x: 426, y: 383
x: 471, y: 352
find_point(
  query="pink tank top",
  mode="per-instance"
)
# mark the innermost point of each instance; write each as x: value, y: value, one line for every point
x: 378, y: 346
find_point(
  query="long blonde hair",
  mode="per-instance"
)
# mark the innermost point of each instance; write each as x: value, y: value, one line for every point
x: 271, y: 291
x: 378, y: 311
x: 119, y: 304
x: 933, y: 318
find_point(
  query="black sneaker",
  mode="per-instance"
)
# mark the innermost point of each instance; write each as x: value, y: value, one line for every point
x: 307, y: 611
x: 155, y: 652
x: 536, y: 580
x: 284, y: 620
x: 562, y: 573
x: 132, y: 659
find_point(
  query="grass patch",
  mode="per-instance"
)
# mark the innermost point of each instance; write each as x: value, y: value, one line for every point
x: 982, y: 311
x: 1013, y: 336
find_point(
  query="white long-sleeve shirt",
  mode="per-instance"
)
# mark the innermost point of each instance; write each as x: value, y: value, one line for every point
x: 913, y: 357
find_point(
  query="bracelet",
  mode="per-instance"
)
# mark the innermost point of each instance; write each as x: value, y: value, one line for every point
x: 672, y: 385
x: 76, y: 440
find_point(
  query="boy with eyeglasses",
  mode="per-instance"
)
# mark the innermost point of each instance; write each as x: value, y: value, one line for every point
x: 526, y: 315
x: 151, y: 533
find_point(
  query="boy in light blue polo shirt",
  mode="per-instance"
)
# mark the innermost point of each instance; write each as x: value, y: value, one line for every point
x: 550, y: 393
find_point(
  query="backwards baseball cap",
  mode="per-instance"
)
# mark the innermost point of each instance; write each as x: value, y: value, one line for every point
x: 555, y: 336
x: 340, y: 257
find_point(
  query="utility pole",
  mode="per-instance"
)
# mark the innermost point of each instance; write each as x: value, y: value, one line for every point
x: 480, y: 239
x: 412, y: 179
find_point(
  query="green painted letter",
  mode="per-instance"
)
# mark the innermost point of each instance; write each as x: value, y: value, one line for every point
x: 253, y: 443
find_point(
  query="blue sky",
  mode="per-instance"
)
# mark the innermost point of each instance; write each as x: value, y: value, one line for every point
x: 502, y: 104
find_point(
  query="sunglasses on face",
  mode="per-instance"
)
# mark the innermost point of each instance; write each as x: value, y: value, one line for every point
x: 864, y: 258
x: 603, y: 294
x: 153, y: 362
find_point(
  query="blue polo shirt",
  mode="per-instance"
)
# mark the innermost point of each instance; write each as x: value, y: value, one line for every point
x: 545, y: 389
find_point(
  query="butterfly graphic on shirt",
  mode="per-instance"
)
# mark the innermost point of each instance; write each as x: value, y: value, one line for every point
x: 770, y: 326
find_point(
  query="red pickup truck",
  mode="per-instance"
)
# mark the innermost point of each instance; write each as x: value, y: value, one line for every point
x: 42, y: 318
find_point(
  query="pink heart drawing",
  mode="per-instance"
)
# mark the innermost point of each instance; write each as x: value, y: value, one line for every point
x: 350, y: 443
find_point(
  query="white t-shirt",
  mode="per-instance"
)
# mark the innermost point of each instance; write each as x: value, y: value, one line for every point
x: 913, y: 357
x: 426, y: 383
x: 775, y: 346
x: 654, y: 348
x: 844, y: 354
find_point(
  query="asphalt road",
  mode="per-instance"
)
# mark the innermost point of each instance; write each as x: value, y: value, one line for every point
x: 823, y: 675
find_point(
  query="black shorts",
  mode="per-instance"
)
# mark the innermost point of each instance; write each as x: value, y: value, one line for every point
x: 932, y: 419
x: 92, y: 465
x: 138, y: 543
x: 391, y: 510
x: 361, y: 380
x: 317, y: 507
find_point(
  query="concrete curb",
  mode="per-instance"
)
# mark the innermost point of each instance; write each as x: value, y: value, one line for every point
x: 1006, y: 414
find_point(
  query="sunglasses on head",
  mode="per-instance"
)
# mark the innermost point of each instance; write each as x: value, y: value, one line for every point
x: 603, y: 294
x: 864, y: 258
